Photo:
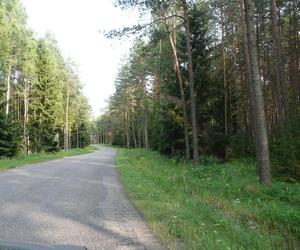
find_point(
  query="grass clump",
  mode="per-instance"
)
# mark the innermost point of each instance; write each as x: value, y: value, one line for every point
x: 7, y: 163
x: 218, y: 206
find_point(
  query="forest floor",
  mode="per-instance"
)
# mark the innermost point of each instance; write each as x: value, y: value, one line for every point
x: 221, y: 206
x: 21, y: 160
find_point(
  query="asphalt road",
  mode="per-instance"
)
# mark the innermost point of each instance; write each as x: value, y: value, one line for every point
x: 77, y: 200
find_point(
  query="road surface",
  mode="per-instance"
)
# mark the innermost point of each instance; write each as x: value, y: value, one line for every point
x: 77, y: 200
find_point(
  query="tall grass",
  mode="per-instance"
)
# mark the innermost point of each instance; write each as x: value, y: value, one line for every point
x: 221, y: 206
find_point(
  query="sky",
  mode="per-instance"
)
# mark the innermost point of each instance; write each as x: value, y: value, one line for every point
x: 76, y: 24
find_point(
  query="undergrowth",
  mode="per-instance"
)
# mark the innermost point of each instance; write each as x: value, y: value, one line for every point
x: 217, y: 206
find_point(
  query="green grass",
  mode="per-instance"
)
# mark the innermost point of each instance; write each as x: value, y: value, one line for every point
x: 7, y: 163
x: 211, y: 207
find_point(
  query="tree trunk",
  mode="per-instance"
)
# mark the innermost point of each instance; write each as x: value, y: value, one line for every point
x: 191, y: 83
x: 294, y: 51
x: 66, y: 132
x: 250, y: 105
x: 26, y: 104
x: 19, y: 109
x: 181, y: 88
x: 261, y: 137
x: 8, y: 90
x: 132, y: 120
x: 280, y: 76
x: 127, y: 130
x: 133, y: 133
x: 146, y: 134
x: 225, y: 82
x: 77, y: 137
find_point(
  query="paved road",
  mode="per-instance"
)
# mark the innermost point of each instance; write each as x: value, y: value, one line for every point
x: 76, y: 200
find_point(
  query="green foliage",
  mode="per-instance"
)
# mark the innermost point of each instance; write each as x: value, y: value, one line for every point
x: 241, y: 145
x: 221, y: 73
x: 218, y: 206
x: 38, y: 76
x: 82, y: 134
x: 209, y: 160
x: 9, y: 137
x: 285, y: 151
x: 153, y: 62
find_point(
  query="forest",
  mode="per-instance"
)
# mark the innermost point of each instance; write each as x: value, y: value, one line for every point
x: 211, y: 80
x: 203, y: 128
x: 42, y: 107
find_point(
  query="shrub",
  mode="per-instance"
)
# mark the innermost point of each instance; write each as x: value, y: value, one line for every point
x: 209, y: 160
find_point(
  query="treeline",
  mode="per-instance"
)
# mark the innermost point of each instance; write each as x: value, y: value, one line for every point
x: 212, y: 78
x: 42, y: 107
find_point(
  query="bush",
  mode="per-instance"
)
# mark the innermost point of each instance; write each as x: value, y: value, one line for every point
x: 209, y: 160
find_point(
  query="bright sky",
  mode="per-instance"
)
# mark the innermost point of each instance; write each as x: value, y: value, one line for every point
x: 75, y: 25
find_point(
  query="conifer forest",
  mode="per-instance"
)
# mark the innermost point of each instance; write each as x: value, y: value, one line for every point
x: 212, y: 78
x: 42, y: 105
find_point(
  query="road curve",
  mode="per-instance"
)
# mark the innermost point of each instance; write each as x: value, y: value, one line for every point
x: 77, y: 200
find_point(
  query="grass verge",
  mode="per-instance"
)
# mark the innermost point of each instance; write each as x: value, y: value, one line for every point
x: 7, y: 163
x: 211, y: 207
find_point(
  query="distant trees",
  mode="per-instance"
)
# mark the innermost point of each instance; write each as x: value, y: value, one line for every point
x: 244, y: 65
x: 34, y: 82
